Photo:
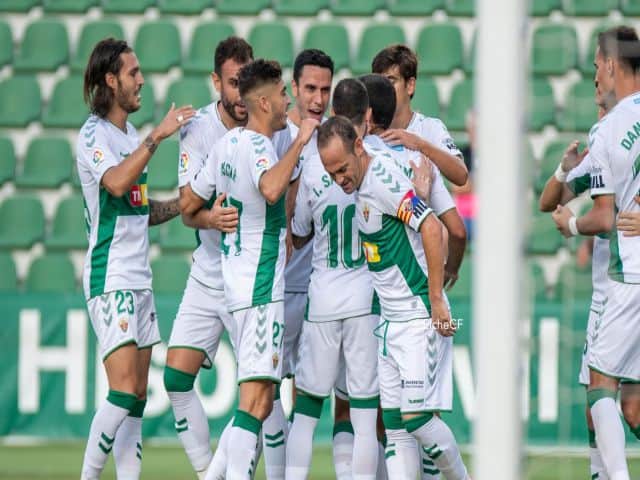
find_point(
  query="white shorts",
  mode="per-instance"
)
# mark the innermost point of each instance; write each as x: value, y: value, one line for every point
x: 320, y: 347
x: 295, y: 305
x: 258, y: 333
x: 595, y: 312
x: 340, y: 387
x: 201, y: 319
x: 122, y: 317
x: 614, y: 348
x: 415, y: 367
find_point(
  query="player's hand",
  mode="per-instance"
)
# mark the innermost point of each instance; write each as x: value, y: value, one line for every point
x: 441, y: 318
x: 561, y: 216
x: 173, y: 120
x: 398, y: 136
x: 571, y: 157
x: 422, y: 177
x: 450, y: 278
x: 224, y: 219
x: 307, y: 127
x: 629, y: 224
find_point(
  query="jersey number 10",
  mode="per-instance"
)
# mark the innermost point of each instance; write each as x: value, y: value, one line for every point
x: 341, y: 240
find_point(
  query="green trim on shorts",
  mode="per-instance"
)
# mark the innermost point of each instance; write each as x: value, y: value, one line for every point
x: 308, y: 405
x: 246, y: 421
x: 598, y: 394
x: 255, y: 379
x: 196, y: 349
x: 311, y: 394
x: 151, y: 345
x: 415, y: 423
x: 370, y: 402
x: 120, y: 345
x: 629, y: 381
x: 345, y: 426
x: 392, y: 419
x: 138, y: 409
x: 177, y: 380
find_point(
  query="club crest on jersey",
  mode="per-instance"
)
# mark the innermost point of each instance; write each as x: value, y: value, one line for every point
x: 183, y: 165
x: 138, y: 195
x: 366, y: 212
x: 98, y: 157
x: 262, y: 163
x: 123, y: 324
x: 275, y: 360
x: 371, y: 252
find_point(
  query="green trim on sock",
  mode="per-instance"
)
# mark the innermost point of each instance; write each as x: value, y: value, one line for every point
x: 636, y: 431
x: 138, y: 409
x: 122, y: 399
x: 178, y: 381
x: 344, y: 426
x: 292, y: 415
x: 246, y: 421
x: 416, y: 422
x: 392, y: 419
x: 308, y: 405
x: 371, y: 402
x: 276, y: 394
x: 592, y: 438
x: 598, y: 394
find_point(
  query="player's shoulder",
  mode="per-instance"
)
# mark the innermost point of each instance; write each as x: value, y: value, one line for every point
x: 385, y: 174
x: 420, y: 121
x: 204, y: 118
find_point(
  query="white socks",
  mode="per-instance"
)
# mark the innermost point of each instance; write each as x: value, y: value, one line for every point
x: 365, y: 443
x: 218, y: 465
x: 127, y: 449
x: 402, y: 457
x: 381, y: 472
x: 609, y: 432
x: 299, y: 446
x: 342, y: 449
x: 274, y: 432
x: 243, y: 438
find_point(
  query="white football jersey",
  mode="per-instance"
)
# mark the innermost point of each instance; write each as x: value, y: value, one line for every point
x: 433, y: 131
x: 389, y: 216
x: 340, y: 286
x: 118, y: 227
x: 615, y: 155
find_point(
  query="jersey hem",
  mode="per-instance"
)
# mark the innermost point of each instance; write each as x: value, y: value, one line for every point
x: 630, y: 279
x: 355, y: 314
x: 204, y: 283
x: 241, y: 306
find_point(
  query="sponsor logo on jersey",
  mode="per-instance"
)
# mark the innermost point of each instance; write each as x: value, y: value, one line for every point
x: 409, y: 206
x: 371, y: 252
x: 98, y: 157
x: 262, y: 163
x: 183, y: 164
x: 123, y: 324
x: 138, y: 195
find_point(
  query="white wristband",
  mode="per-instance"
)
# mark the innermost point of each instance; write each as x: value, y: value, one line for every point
x: 573, y: 226
x: 560, y: 174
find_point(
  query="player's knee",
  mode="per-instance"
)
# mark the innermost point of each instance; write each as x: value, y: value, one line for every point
x: 177, y: 381
x: 342, y: 412
x: 631, y: 412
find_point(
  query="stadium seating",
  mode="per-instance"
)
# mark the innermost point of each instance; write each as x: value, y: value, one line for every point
x: 48, y: 163
x: 187, y: 91
x: 550, y: 160
x: 589, y: 8
x: 18, y: 5
x: 272, y: 40
x: 147, y: 107
x: 69, y: 225
x: 554, y: 49
x: 413, y: 7
x: 332, y: 38
x: 66, y: 108
x: 51, y: 273
x: 469, y: 62
x: 299, y: 7
x: 439, y: 49
x: 170, y: 274
x: 176, y: 237
x: 460, y: 8
x: 630, y: 7
x: 425, y: 100
x: 163, y: 168
x: 21, y: 221
x: 44, y: 47
x: 6, y: 44
x: 9, y: 278
x: 542, y: 8
x: 20, y: 101
x: 542, y: 107
x: 157, y: 46
x: 7, y: 160
x: 537, y: 285
x: 580, y: 111
x: 574, y: 282
x: 543, y: 236
x: 126, y: 6
x: 460, y: 103
x: 375, y: 37
x: 184, y: 7
x: 91, y: 34
x: 355, y: 8
x: 200, y: 57
x: 245, y: 7
x: 68, y: 6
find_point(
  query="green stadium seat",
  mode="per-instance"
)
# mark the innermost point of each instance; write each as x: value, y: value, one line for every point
x: 184, y: 7
x: 9, y: 278
x: 460, y: 103
x: 630, y: 7
x: 44, y: 47
x: 542, y: 108
x: 469, y: 62
x: 587, y: 67
x: 48, y: 163
x: 303, y: 8
x: 175, y: 236
x: 439, y: 49
x: 6, y: 44
x: 69, y: 230
x: 170, y: 273
x: 574, y: 282
x: 272, y: 40
x: 20, y: 101
x: 21, y: 6
x: 411, y: 8
x: 157, y: 45
x: 543, y: 237
x: 463, y: 288
x: 245, y: 7
x: 21, y: 221
x: 460, y: 8
x: 332, y: 38
x: 187, y: 91
x: 68, y: 6
x: 126, y: 6
x: 7, y: 160
x: 589, y: 8
x: 536, y: 282
x: 66, y: 108
x: 580, y: 112
x: 91, y: 34
x: 163, y: 170
x: 51, y: 273
x: 375, y: 37
x: 554, y: 49
x: 542, y: 8
x: 425, y: 99
x: 203, y: 42
x: 147, y: 107
x: 551, y: 158
x: 356, y: 8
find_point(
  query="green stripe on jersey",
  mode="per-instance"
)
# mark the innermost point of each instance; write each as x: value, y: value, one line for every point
x: 275, y: 221
x: 207, y: 206
x: 616, y: 270
x: 580, y: 184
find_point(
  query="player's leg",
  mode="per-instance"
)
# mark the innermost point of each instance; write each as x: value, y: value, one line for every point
x: 630, y: 403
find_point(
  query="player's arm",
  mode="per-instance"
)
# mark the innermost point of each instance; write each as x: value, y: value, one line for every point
x: 629, y: 222
x: 557, y: 191
x: 218, y: 217
x: 600, y: 219
x: 457, y: 243
x: 161, y: 211
x: 301, y: 225
x: 119, y: 179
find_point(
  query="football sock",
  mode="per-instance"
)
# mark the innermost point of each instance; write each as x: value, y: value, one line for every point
x: 127, y: 448
x: 381, y: 472
x: 218, y: 466
x: 300, y: 440
x: 365, y: 442
x: 342, y: 449
x: 596, y: 466
x: 401, y: 451
x: 609, y: 432
x: 274, y: 434
x: 243, y: 437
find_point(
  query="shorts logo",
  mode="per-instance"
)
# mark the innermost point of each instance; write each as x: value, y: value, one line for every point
x: 138, y: 195
x: 98, y: 157
x: 365, y: 212
x: 371, y: 252
x: 183, y: 164
x: 262, y: 163
x: 275, y: 360
x: 124, y: 325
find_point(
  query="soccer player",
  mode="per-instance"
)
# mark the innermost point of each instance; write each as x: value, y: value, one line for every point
x: 244, y: 166
x: 112, y: 167
x: 339, y: 320
x: 613, y: 151
x: 403, y: 248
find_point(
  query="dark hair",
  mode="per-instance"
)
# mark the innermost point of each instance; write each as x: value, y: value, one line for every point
x: 396, y: 55
x: 231, y: 48
x: 382, y: 99
x: 350, y: 100
x: 622, y: 43
x: 313, y: 57
x: 258, y: 73
x: 105, y: 58
x: 340, y: 126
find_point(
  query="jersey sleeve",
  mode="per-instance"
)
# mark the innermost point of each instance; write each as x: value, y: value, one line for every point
x: 302, y: 221
x: 97, y: 153
x: 442, y: 139
x: 601, y: 172
x: 203, y: 182
x: 191, y: 156
x: 262, y: 159
x: 579, y: 177
x: 440, y: 199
